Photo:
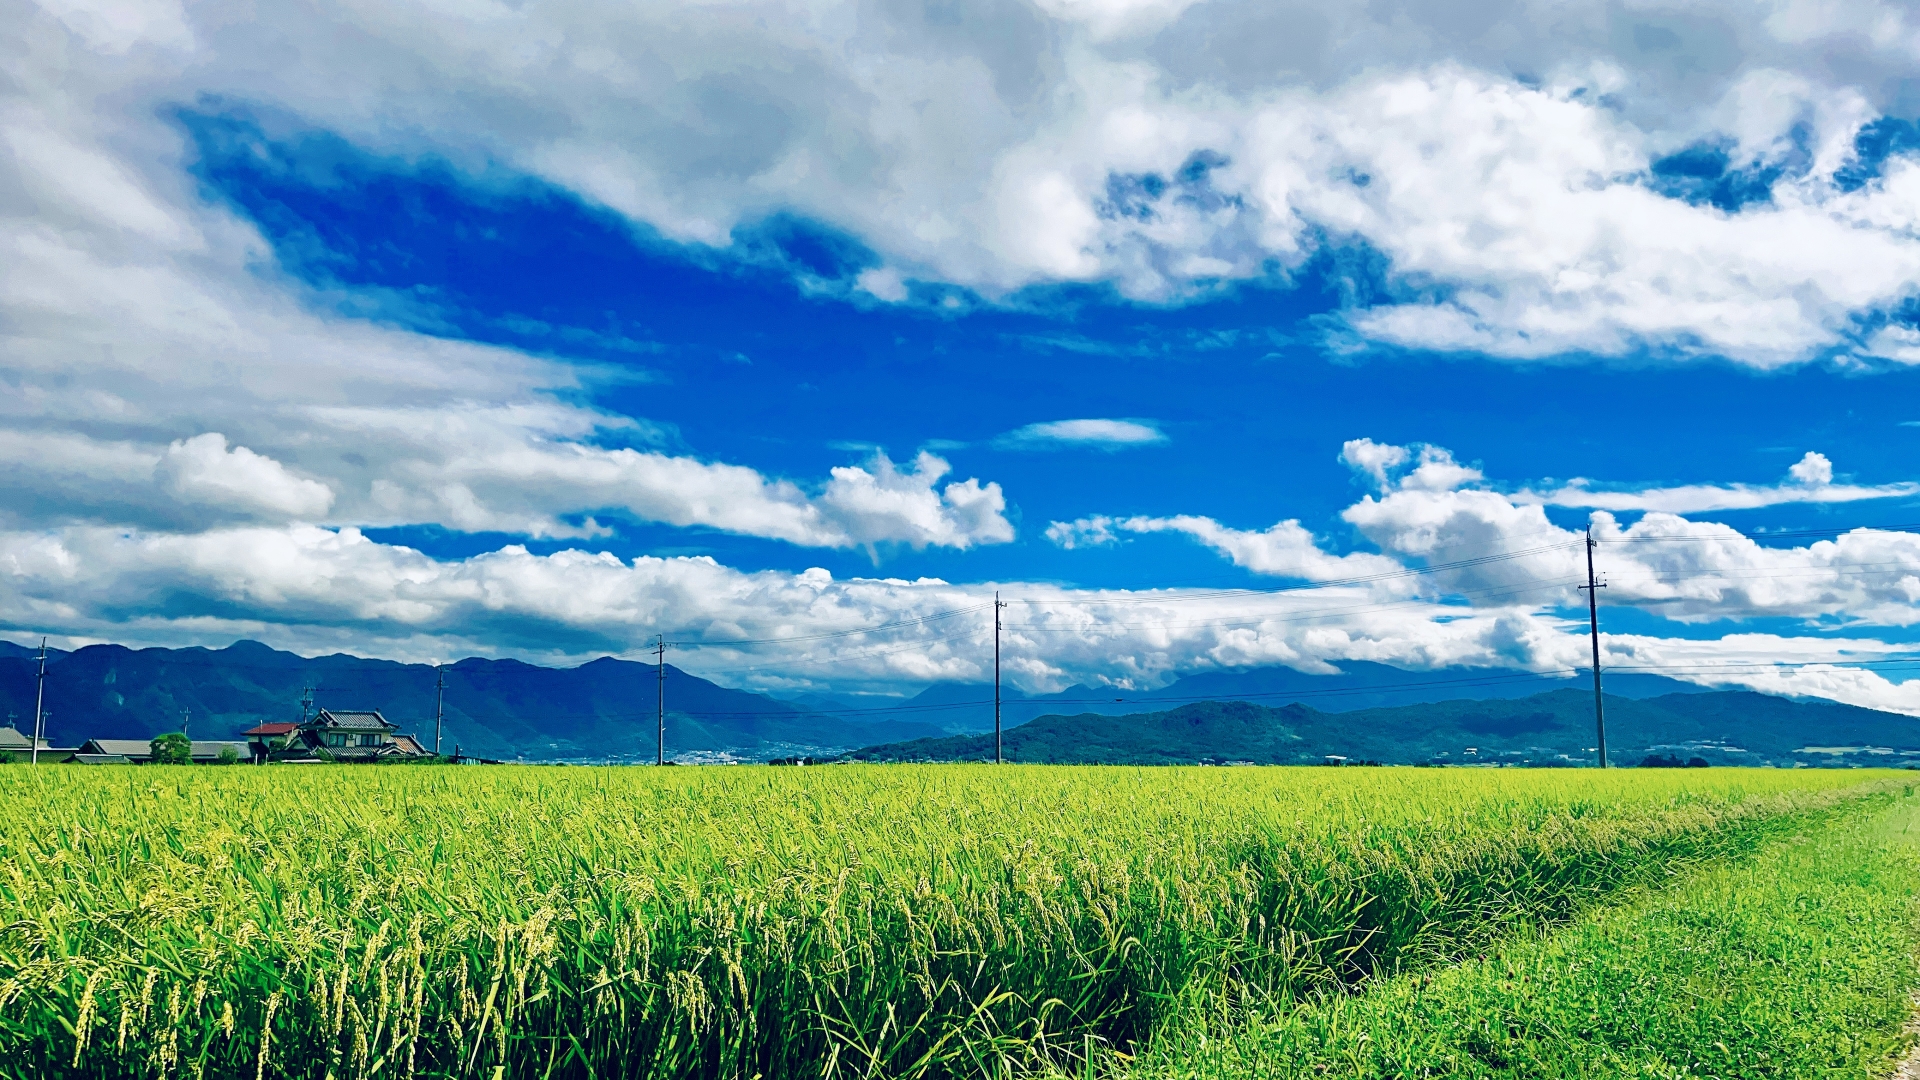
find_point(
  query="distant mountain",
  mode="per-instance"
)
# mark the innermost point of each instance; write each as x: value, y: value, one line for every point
x: 605, y: 708
x: 494, y: 708
x: 1554, y: 728
x: 960, y: 708
x: 9, y: 649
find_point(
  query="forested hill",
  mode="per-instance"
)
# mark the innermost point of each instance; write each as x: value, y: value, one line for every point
x: 494, y: 708
x: 1722, y: 728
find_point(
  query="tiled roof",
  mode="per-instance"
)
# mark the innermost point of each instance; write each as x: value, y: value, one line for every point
x: 210, y: 748
x: 133, y: 748
x: 11, y: 739
x: 142, y: 749
x: 407, y: 745
x: 369, y: 719
x: 276, y: 727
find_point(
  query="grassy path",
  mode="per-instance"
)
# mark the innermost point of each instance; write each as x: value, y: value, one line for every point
x: 1796, y: 963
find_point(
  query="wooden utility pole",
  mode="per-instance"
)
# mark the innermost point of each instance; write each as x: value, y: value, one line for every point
x: 660, y: 681
x: 439, y: 703
x: 998, y: 758
x: 1593, y: 625
x: 39, y: 704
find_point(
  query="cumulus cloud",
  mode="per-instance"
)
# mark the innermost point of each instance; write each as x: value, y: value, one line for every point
x: 159, y: 376
x: 1434, y: 468
x: 1814, y: 468
x: 319, y: 590
x: 204, y: 469
x: 1373, y: 459
x: 1103, y: 434
x: 1491, y: 547
x: 1159, y: 145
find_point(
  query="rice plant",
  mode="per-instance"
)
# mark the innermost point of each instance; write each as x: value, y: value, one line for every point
x: 895, y: 921
x: 1796, y: 963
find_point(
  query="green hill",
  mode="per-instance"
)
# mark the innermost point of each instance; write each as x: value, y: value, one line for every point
x: 1722, y: 728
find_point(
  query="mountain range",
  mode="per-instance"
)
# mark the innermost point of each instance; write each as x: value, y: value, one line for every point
x: 605, y: 708
x: 1733, y: 727
x: 494, y: 708
x: 960, y: 708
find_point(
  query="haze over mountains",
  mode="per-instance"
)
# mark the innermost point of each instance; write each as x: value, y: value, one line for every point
x: 606, y: 709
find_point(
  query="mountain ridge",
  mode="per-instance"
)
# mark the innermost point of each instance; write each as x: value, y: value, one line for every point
x: 1732, y: 727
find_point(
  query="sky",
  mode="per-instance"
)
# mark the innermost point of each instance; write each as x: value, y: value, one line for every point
x: 1207, y: 335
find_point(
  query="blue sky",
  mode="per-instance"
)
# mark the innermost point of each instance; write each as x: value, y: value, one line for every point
x: 736, y: 360
x: 542, y: 332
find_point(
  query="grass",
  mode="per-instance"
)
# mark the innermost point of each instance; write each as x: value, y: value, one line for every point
x: 871, y: 921
x: 1797, y: 963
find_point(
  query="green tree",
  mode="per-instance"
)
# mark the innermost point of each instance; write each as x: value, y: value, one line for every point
x: 228, y: 755
x: 173, y: 748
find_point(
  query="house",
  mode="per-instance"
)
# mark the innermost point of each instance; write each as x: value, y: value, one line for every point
x: 140, y: 751
x: 349, y: 735
x: 264, y: 739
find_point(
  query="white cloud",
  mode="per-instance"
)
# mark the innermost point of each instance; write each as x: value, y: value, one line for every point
x: 158, y: 374
x: 1499, y: 549
x: 1374, y: 459
x: 1813, y: 469
x: 1087, y: 532
x: 1809, y: 480
x: 319, y: 590
x: 204, y: 469
x: 1285, y: 550
x: 1434, y: 468
x: 1514, y: 214
x: 1105, y: 434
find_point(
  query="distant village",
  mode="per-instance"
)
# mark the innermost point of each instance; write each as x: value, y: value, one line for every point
x: 329, y: 736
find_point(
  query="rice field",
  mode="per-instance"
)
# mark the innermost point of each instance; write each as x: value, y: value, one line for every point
x: 886, y: 921
x: 1797, y: 963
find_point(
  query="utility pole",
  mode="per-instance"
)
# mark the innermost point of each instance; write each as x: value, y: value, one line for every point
x: 660, y: 681
x: 1593, y: 624
x: 306, y: 703
x: 998, y: 758
x: 439, y: 703
x: 39, y: 703
x: 186, y: 717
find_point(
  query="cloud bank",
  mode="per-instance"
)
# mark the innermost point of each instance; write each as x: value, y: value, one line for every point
x: 1547, y: 183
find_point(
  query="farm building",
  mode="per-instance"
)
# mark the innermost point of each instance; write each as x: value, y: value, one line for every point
x: 140, y: 751
x: 11, y: 740
x: 15, y: 744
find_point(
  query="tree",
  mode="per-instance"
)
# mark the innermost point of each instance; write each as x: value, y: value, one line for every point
x: 228, y: 755
x: 173, y: 748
